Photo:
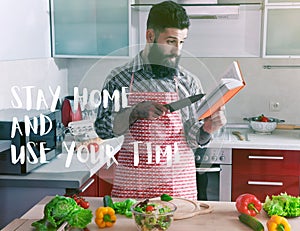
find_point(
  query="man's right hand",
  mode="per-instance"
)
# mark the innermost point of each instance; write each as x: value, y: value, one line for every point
x: 147, y: 110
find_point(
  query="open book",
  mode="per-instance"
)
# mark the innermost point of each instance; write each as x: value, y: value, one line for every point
x: 230, y: 84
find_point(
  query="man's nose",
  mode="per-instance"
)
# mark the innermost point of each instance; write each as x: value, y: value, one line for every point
x: 176, y: 49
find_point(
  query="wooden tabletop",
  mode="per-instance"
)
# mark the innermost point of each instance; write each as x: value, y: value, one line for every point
x: 223, y: 217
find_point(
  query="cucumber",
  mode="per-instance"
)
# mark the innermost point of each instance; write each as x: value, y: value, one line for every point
x: 252, y: 222
x: 108, y: 202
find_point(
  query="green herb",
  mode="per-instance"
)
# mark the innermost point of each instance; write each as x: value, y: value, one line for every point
x: 124, y: 207
x: 61, y: 209
x: 282, y: 205
x: 166, y: 197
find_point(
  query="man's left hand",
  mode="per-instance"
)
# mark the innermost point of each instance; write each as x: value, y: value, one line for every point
x: 215, y: 121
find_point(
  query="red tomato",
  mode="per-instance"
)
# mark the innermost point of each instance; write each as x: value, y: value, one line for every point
x: 149, y: 208
x: 264, y: 119
x: 83, y: 203
x: 93, y: 147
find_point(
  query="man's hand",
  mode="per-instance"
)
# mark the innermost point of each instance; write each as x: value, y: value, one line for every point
x: 215, y: 121
x: 147, y: 110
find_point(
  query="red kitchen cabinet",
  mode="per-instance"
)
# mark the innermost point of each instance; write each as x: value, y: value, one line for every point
x: 265, y: 172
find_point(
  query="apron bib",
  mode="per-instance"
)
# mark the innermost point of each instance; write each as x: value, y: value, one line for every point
x: 155, y: 157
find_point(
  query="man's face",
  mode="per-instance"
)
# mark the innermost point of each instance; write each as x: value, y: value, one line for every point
x: 165, y: 50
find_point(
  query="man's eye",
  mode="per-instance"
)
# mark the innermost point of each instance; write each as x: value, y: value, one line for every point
x: 170, y: 42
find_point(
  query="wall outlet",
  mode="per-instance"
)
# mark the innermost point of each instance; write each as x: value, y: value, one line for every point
x: 275, y: 106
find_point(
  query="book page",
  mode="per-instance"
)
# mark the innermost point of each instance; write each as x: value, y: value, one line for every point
x: 233, y: 72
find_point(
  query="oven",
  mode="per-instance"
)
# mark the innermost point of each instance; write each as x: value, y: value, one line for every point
x: 213, y: 173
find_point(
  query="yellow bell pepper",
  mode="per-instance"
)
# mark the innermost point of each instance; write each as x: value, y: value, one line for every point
x: 278, y: 223
x: 105, y: 217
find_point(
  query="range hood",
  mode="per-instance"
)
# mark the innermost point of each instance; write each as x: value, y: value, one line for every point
x: 202, y: 9
x: 213, y: 11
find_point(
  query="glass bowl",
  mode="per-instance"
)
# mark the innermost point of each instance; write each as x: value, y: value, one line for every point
x: 153, y: 215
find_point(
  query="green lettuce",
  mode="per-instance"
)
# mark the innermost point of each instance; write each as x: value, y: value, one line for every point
x: 63, y: 209
x: 283, y: 205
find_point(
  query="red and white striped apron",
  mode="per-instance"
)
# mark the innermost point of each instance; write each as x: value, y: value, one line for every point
x: 152, y: 175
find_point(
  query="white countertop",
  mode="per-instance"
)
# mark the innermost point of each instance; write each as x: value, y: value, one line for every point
x: 84, y: 161
x: 279, y: 139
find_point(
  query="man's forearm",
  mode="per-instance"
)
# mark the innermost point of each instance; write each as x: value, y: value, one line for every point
x: 122, y: 121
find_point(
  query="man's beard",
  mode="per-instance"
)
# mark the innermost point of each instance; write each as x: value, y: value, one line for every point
x: 161, y: 64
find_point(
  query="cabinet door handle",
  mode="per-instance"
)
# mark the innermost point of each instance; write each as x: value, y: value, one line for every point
x: 266, y: 157
x: 202, y: 170
x: 250, y: 182
x: 86, y: 185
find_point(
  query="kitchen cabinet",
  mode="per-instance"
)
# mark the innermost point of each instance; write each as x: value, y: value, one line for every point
x: 100, y: 184
x: 93, y: 28
x: 265, y: 172
x: 281, y: 30
x: 98, y: 187
x: 25, y: 29
x: 91, y: 187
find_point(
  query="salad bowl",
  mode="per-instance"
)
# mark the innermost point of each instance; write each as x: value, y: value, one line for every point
x: 153, y: 215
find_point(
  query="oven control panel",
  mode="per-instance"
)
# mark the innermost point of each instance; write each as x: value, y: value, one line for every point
x: 213, y: 155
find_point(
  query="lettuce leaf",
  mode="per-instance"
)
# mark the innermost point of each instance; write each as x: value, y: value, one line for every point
x: 61, y: 209
x: 283, y: 205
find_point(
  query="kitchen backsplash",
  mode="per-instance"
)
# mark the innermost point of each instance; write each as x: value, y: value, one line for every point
x: 29, y: 76
x: 262, y: 85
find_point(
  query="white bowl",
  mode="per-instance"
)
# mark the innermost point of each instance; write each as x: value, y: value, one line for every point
x: 263, y: 127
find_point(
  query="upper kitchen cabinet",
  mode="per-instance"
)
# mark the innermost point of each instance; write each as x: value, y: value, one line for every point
x: 281, y: 29
x: 25, y: 29
x: 93, y: 28
x: 217, y: 30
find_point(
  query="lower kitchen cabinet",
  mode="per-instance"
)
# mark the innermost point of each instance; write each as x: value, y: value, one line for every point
x: 265, y: 172
x: 91, y: 187
x: 100, y: 184
x: 98, y: 188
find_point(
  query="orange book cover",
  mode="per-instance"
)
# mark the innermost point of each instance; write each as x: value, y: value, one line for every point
x: 231, y: 83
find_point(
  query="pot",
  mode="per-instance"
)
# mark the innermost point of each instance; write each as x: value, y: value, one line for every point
x: 263, y: 127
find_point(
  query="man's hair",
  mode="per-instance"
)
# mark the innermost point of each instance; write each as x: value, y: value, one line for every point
x: 167, y: 14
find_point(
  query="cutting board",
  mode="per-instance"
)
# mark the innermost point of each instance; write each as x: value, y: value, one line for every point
x: 188, y: 208
x: 288, y: 126
x: 25, y: 225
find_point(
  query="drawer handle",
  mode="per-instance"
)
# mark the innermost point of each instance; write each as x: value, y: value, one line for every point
x: 266, y: 157
x: 265, y: 183
x: 88, y: 184
x: 203, y: 170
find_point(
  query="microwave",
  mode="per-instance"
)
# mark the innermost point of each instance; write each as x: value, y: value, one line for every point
x: 28, y: 139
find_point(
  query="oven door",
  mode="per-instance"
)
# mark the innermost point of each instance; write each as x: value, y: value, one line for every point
x: 214, y: 182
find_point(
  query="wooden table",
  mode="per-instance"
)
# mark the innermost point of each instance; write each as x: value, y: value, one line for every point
x: 224, y: 217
